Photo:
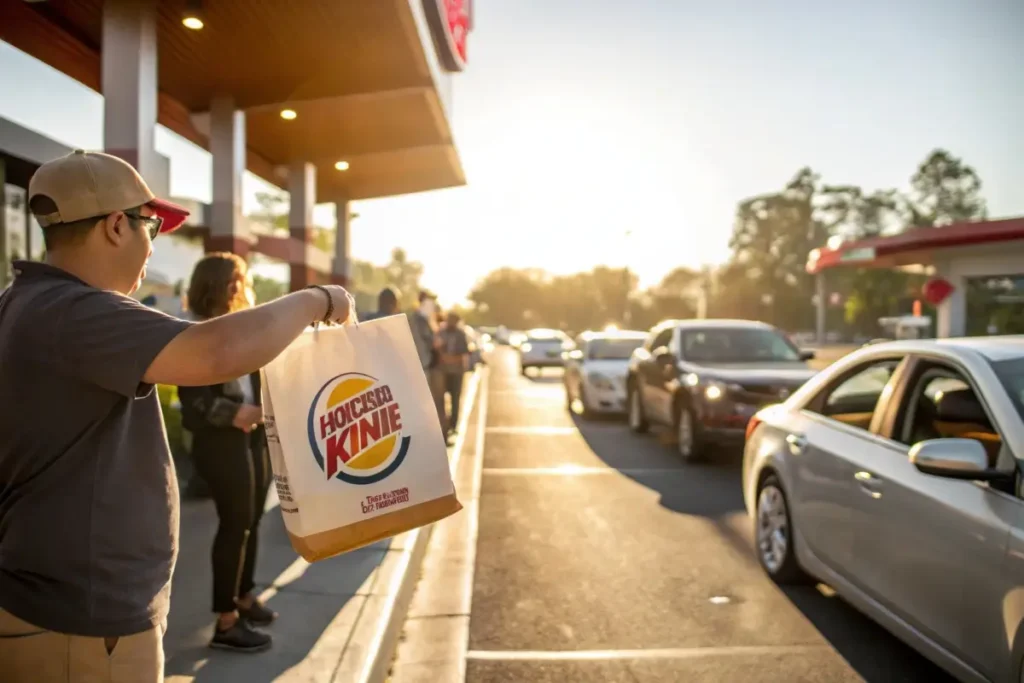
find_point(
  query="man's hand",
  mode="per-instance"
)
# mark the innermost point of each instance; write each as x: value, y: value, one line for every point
x: 248, y: 417
x: 344, y: 310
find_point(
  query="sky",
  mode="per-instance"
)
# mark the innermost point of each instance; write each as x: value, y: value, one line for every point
x: 579, y: 122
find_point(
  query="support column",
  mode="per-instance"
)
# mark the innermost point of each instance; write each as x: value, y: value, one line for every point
x: 820, y: 306
x: 5, y: 259
x: 227, y: 146
x: 952, y: 313
x: 129, y: 83
x: 302, y: 188
x: 341, y: 268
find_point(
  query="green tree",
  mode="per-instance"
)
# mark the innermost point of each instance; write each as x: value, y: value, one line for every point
x: 946, y: 190
x: 267, y: 289
x: 772, y: 235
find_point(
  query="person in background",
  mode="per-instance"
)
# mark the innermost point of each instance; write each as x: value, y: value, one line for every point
x: 229, y: 449
x: 387, y: 304
x: 454, y: 362
x: 424, y: 332
x: 89, y: 502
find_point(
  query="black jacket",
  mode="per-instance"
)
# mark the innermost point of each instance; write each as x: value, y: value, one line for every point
x: 208, y: 412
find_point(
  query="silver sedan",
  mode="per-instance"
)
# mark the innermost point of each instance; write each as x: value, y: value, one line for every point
x: 895, y: 477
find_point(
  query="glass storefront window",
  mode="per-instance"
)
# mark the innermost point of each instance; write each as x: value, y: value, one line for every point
x: 994, y: 304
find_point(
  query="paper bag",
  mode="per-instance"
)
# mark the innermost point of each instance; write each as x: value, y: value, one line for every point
x: 355, y: 443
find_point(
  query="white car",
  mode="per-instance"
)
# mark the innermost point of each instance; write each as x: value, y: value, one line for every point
x: 596, y: 370
x: 896, y: 476
x: 542, y: 348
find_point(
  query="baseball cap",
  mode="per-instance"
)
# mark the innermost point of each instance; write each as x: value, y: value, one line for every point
x: 92, y: 184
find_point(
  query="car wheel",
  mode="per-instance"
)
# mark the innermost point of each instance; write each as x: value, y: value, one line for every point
x: 773, y: 531
x: 585, y: 410
x: 637, y: 419
x: 523, y: 370
x: 688, y: 442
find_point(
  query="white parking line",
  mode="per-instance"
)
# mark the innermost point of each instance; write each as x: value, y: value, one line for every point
x: 654, y: 653
x: 550, y: 431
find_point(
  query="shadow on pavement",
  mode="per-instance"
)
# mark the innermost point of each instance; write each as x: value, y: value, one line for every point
x: 713, y: 489
x: 313, y: 602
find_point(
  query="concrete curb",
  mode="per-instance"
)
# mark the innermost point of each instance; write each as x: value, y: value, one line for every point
x: 374, y: 639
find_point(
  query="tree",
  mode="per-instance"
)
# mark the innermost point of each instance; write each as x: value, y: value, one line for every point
x: 267, y: 289
x: 772, y: 236
x: 946, y: 190
x: 400, y: 274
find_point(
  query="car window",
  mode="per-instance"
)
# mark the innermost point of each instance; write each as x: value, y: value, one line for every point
x: 611, y: 349
x: 737, y: 345
x: 1011, y: 374
x: 943, y: 405
x: 854, y: 399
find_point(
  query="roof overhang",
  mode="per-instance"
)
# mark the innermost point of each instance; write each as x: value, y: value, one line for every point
x: 363, y: 78
x: 916, y: 247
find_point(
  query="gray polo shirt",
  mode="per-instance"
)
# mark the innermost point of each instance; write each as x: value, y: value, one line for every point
x: 88, y: 492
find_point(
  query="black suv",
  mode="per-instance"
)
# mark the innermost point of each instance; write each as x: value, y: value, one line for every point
x: 706, y: 378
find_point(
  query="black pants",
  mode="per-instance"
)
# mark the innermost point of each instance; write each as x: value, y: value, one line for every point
x: 453, y: 387
x: 238, y: 480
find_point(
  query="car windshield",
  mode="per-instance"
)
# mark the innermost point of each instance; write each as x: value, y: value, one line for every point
x: 1011, y: 373
x: 737, y: 345
x: 612, y: 349
x: 545, y: 336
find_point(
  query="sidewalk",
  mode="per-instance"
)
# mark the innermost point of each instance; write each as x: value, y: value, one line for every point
x: 339, y: 618
x: 329, y: 612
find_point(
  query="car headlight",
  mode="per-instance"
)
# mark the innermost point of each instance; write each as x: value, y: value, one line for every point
x: 710, y: 389
x: 599, y: 381
x: 714, y: 391
x: 525, y: 348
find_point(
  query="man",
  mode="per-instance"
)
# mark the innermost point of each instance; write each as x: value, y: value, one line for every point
x: 423, y: 322
x: 454, y: 362
x: 88, y: 491
x: 387, y: 304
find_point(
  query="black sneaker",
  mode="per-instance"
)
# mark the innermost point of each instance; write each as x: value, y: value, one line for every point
x: 257, y: 614
x: 241, y: 638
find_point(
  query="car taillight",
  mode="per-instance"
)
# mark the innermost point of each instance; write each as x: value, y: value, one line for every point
x: 752, y: 425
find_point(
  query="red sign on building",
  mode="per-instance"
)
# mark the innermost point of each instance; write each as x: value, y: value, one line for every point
x: 450, y: 22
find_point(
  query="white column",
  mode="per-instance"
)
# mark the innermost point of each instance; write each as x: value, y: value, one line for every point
x: 302, y: 188
x: 129, y: 83
x: 227, y: 146
x: 341, y: 269
x: 952, y: 313
x: 820, y: 306
x: 5, y: 258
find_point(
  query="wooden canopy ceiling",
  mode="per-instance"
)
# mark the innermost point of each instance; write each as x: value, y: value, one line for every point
x: 355, y: 71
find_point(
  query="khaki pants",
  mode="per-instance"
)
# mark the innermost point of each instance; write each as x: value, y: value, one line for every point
x: 29, y: 654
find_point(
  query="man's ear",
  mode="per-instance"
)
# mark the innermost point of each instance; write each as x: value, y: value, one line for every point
x: 114, y: 227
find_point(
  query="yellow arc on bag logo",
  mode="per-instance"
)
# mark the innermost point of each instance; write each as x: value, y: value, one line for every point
x: 355, y: 429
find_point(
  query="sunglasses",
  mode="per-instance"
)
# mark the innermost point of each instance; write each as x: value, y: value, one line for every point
x: 152, y: 223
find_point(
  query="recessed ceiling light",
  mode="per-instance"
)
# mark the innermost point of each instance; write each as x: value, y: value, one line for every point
x: 193, y: 16
x: 288, y: 114
x: 341, y: 165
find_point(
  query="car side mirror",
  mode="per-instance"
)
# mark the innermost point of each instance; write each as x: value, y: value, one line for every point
x: 953, y: 459
x: 808, y: 354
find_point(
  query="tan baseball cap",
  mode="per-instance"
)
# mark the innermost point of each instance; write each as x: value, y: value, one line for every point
x: 92, y: 184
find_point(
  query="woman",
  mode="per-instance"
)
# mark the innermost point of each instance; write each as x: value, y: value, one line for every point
x: 229, y: 450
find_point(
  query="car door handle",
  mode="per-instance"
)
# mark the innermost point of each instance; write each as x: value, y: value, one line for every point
x: 797, y: 443
x: 869, y: 483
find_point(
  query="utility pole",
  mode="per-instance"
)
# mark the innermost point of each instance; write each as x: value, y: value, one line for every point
x: 625, y: 284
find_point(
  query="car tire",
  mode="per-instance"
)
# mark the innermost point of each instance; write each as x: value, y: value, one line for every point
x: 635, y: 413
x: 523, y: 369
x: 585, y: 411
x: 689, y: 445
x: 773, y: 535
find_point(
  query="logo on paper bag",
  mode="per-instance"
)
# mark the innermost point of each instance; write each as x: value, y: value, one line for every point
x: 355, y: 429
